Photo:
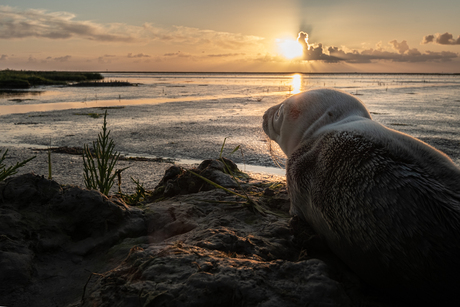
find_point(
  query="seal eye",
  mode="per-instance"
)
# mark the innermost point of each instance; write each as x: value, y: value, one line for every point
x: 278, y: 113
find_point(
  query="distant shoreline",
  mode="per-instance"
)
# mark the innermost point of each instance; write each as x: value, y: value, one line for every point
x: 24, y: 79
x: 276, y: 73
x: 247, y: 73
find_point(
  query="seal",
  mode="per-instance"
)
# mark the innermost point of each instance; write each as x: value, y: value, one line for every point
x: 386, y: 203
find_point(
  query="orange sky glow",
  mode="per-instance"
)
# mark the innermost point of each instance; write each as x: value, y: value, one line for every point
x: 260, y: 36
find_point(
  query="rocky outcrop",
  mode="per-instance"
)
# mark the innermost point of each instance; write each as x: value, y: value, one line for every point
x: 49, y: 232
x: 66, y: 246
x: 179, y: 181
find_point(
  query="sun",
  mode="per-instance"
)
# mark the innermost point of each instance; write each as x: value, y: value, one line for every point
x: 289, y: 48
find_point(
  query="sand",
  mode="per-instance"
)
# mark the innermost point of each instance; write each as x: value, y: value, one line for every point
x: 186, y: 131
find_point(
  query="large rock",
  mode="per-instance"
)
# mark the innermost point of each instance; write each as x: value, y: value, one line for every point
x: 46, y: 230
x: 216, y: 254
x: 67, y: 246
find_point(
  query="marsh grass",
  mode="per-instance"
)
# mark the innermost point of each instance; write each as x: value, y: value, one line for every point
x: 139, y: 195
x: 49, y: 163
x: 25, y: 79
x: 13, y: 169
x: 99, y: 162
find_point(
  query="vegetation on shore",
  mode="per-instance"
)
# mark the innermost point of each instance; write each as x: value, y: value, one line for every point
x: 99, y: 162
x: 13, y: 169
x: 103, y: 83
x: 20, y: 79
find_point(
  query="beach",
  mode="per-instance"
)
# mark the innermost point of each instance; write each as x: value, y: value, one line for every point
x: 181, y: 130
x: 188, y: 117
x: 71, y: 243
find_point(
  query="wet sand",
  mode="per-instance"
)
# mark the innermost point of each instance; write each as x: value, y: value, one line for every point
x: 188, y: 131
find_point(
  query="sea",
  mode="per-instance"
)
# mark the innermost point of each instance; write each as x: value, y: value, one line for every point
x: 426, y: 106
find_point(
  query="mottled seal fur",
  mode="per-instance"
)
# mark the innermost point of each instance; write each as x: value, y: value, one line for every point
x: 386, y: 203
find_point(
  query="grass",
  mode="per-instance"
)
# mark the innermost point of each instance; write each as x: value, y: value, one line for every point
x: 99, y: 162
x: 138, y: 196
x: 13, y: 169
x: 26, y: 78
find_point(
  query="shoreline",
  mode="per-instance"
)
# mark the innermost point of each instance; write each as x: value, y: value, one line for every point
x: 67, y: 169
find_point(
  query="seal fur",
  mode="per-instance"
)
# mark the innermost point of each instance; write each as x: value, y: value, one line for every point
x: 387, y: 204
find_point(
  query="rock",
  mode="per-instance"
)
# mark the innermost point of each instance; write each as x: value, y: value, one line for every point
x: 67, y: 246
x: 28, y: 189
x: 203, y: 250
x: 16, y: 269
x: 45, y: 229
x: 178, y: 181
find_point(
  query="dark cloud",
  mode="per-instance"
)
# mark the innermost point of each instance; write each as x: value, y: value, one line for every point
x: 63, y: 58
x: 178, y: 54
x: 441, y: 39
x: 3, y: 57
x: 402, y: 53
x: 139, y: 55
x: 313, y: 52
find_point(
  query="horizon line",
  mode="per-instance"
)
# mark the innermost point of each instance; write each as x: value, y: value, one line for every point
x: 242, y: 72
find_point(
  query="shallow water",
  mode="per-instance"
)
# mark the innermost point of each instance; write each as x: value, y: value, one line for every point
x: 188, y: 115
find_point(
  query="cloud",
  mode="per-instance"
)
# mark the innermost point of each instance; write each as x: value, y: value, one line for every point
x: 20, y: 24
x: 313, y: 52
x: 178, y: 54
x: 441, y: 39
x: 139, y: 55
x: 224, y: 55
x: 203, y: 38
x: 401, y: 47
x: 63, y: 58
x: 401, y: 52
x: 15, y: 24
x: 3, y: 57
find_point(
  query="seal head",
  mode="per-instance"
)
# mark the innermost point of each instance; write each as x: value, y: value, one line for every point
x: 302, y: 115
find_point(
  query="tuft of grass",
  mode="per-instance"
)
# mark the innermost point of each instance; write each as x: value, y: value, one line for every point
x: 49, y: 163
x: 138, y: 196
x: 99, y: 163
x: 13, y: 169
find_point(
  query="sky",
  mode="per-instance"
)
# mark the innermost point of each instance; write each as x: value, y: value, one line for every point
x: 408, y: 36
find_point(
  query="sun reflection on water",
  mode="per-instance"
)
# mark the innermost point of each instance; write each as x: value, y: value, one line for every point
x: 296, y: 84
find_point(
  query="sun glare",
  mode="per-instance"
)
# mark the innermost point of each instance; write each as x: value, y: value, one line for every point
x: 296, y: 84
x: 290, y: 48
